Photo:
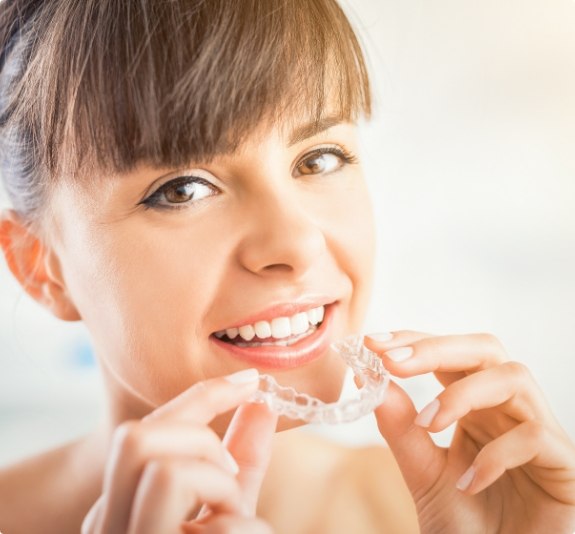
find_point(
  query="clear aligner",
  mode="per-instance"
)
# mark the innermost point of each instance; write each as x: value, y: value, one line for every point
x: 366, y: 366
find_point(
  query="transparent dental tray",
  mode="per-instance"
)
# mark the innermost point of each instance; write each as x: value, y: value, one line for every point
x: 371, y: 377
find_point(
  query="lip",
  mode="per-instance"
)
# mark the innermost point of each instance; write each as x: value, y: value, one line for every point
x: 301, y: 353
x: 284, y: 310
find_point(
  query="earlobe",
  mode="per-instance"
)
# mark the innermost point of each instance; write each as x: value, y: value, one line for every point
x: 35, y: 266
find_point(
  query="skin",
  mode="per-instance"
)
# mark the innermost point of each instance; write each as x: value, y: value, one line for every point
x: 270, y: 234
x: 510, y: 466
x: 230, y: 255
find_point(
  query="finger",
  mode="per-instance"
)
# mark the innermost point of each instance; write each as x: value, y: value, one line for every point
x: 383, y: 342
x: 228, y: 524
x: 380, y: 342
x: 528, y: 442
x: 249, y: 440
x: 419, y: 459
x: 455, y: 353
x: 509, y: 386
x: 204, y: 400
x: 169, y: 489
x: 135, y: 444
x: 93, y: 519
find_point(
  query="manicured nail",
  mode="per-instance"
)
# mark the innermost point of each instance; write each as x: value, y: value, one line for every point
x: 231, y: 462
x: 466, y: 479
x: 427, y: 415
x: 243, y: 377
x: 380, y: 336
x: 399, y: 355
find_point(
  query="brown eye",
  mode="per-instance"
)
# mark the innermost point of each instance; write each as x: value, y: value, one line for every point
x: 183, y: 190
x: 180, y: 193
x: 320, y: 162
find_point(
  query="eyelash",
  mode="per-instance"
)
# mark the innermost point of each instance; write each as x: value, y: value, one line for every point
x: 152, y: 201
x: 341, y: 152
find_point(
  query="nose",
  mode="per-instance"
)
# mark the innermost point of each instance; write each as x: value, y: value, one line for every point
x: 282, y: 237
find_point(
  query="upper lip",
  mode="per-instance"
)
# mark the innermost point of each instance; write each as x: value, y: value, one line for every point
x: 284, y: 309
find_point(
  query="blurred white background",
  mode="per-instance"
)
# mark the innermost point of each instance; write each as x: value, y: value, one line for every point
x: 471, y: 160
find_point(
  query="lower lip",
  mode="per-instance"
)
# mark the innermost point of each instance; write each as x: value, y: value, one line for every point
x: 304, y: 351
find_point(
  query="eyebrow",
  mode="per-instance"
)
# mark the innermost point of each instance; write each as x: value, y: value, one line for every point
x: 310, y: 129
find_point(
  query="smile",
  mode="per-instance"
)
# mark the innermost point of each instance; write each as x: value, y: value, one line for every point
x: 281, y: 342
x: 287, y: 330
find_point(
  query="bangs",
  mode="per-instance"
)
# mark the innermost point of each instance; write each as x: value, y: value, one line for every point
x: 166, y: 82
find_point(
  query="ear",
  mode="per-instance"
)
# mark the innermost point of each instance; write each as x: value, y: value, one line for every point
x: 35, y: 266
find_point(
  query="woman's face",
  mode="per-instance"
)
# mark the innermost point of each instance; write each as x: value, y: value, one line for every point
x: 166, y: 265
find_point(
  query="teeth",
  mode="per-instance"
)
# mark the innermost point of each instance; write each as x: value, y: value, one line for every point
x: 278, y: 328
x: 312, y: 316
x: 299, y: 323
x: 232, y: 332
x: 281, y: 327
x: 247, y: 332
x: 263, y: 329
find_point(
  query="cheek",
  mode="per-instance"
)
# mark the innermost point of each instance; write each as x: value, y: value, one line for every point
x: 355, y: 243
x: 361, y: 236
x: 344, y: 211
x: 144, y: 296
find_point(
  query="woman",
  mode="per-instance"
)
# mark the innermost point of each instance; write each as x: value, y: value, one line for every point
x: 184, y: 180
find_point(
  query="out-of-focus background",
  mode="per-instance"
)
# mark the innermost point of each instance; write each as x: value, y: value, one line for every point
x: 471, y: 160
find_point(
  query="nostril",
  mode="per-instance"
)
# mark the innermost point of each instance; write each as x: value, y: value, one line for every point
x: 278, y: 246
x: 280, y: 267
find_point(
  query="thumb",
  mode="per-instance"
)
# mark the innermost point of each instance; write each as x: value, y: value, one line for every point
x: 419, y: 459
x: 249, y: 440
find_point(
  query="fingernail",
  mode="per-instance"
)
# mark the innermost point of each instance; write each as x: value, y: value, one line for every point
x: 231, y: 462
x: 380, y: 336
x: 399, y: 355
x: 426, y: 416
x: 243, y: 377
x: 466, y: 479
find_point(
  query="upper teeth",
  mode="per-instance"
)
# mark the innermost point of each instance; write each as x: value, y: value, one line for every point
x: 280, y: 327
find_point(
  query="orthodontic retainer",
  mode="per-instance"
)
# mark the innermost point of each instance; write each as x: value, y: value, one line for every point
x: 366, y: 366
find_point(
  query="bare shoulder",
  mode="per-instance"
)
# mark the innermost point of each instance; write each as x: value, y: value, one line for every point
x: 335, y: 489
x: 45, y: 493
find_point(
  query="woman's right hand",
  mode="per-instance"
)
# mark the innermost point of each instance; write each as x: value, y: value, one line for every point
x: 171, y: 463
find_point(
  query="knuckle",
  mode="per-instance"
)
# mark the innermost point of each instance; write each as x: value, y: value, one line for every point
x: 491, y: 342
x: 535, y: 431
x: 517, y: 370
x: 128, y: 436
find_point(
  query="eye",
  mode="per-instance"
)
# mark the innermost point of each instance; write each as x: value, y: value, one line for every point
x: 180, y: 192
x: 324, y: 160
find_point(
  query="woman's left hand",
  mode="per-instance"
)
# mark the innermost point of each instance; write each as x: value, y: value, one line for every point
x: 510, y: 466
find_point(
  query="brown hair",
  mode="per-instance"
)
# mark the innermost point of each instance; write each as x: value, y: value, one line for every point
x: 112, y: 83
